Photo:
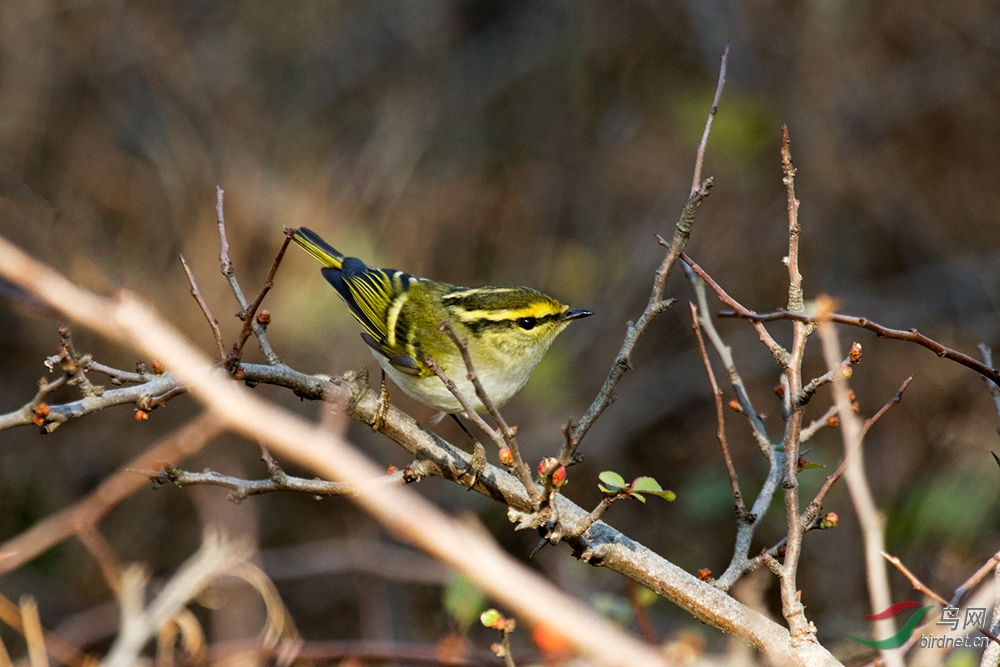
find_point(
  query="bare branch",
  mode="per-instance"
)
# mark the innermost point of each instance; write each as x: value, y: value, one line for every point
x: 827, y: 420
x: 914, y: 581
x: 852, y: 358
x: 226, y: 267
x: 506, y: 436
x: 118, y: 376
x: 852, y: 432
x: 795, y: 299
x: 759, y: 431
x: 779, y: 353
x: 408, y: 515
x: 242, y: 489
x: 214, y: 559
x: 158, y: 386
x: 911, y: 335
x: 249, y: 314
x: 974, y: 581
x: 987, y: 353
x: 212, y: 322
x: 791, y: 603
x: 720, y: 420
x: 656, y: 304
x: 700, y: 159
x: 817, y: 502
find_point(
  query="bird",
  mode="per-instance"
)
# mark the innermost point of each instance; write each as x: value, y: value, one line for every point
x: 507, y: 330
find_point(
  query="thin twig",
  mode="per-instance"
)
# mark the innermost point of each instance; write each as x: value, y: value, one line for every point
x: 242, y: 489
x: 896, y: 398
x: 720, y: 433
x: 852, y: 358
x: 226, y: 263
x: 912, y: 335
x: 139, y: 622
x: 815, y: 425
x: 53, y: 415
x: 149, y: 403
x: 700, y: 159
x: 117, y: 376
x: 504, y: 435
x: 726, y: 354
x: 974, y: 580
x: 740, y: 563
x: 791, y: 603
x: 506, y: 431
x: 869, y: 518
x: 656, y: 304
x: 987, y: 353
x: 226, y: 267
x: 914, y: 581
x: 250, y: 313
x: 212, y: 322
x: 817, y: 502
x: 779, y: 353
x: 596, y: 513
x: 34, y: 634
x: 102, y: 551
x: 795, y: 298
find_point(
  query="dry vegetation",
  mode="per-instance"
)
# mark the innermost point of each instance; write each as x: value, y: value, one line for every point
x: 539, y: 143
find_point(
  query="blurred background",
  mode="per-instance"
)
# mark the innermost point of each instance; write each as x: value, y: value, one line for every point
x: 540, y: 143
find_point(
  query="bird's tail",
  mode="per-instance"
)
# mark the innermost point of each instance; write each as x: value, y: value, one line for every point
x: 311, y: 242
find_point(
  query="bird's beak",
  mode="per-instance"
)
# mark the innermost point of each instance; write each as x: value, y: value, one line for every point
x: 575, y: 315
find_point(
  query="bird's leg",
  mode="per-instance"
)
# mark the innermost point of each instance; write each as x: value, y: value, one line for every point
x: 478, y: 461
x: 382, y: 409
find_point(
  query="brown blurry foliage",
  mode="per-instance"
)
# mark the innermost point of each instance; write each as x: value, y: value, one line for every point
x: 527, y: 142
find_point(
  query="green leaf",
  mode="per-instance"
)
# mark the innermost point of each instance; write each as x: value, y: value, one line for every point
x: 650, y: 485
x: 612, y: 479
x: 809, y: 466
x: 638, y: 496
x: 609, y: 491
x: 646, y: 484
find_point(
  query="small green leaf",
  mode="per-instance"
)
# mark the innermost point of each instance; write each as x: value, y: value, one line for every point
x: 608, y: 491
x: 650, y: 485
x: 612, y: 479
x: 809, y: 466
x: 638, y: 496
x: 646, y: 484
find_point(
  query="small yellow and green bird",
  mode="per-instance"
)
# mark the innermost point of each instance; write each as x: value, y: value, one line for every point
x: 507, y: 329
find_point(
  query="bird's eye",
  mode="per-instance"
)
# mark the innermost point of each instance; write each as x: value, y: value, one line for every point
x: 527, y: 323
